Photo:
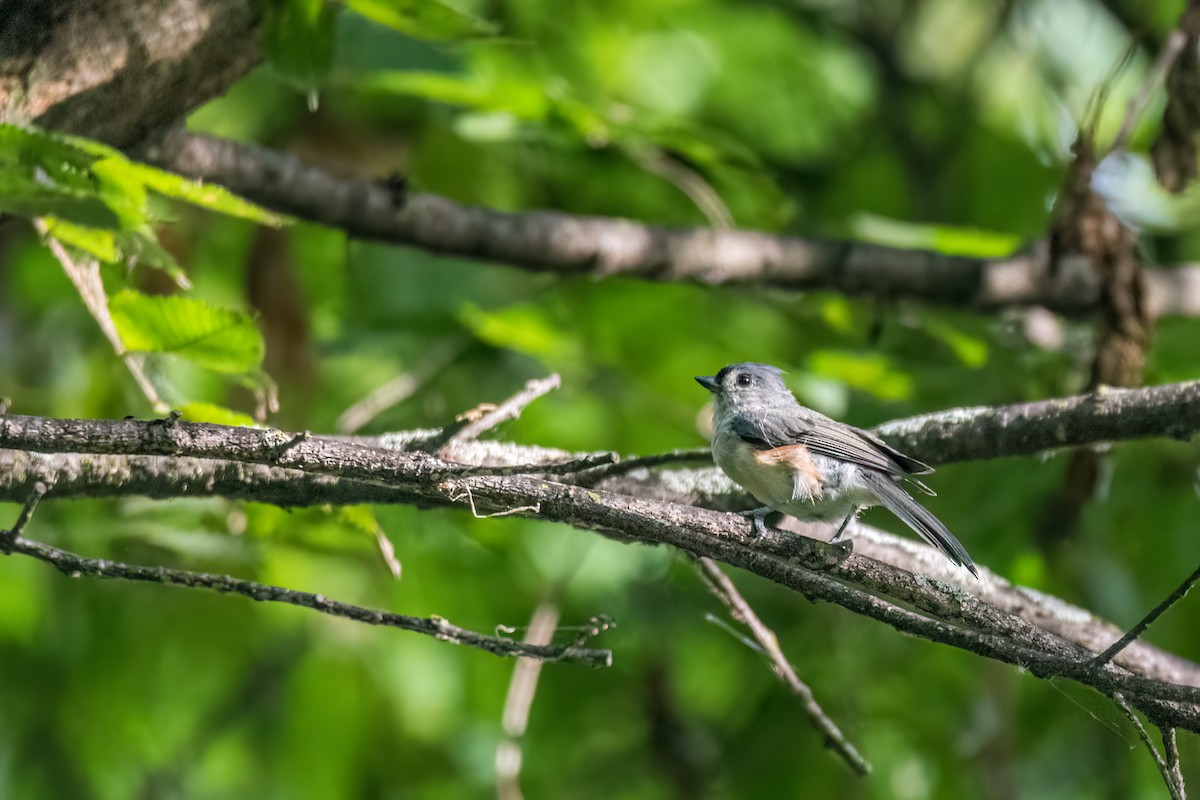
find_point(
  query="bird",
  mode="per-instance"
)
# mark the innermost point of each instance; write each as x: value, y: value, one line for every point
x: 800, y: 462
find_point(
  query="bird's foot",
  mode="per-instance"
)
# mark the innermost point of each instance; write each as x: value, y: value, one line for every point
x: 844, y: 547
x: 841, y: 531
x: 758, y: 515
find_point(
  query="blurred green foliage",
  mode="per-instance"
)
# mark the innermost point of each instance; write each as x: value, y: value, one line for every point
x: 940, y: 124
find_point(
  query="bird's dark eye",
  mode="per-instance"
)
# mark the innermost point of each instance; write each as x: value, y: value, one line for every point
x: 743, y: 379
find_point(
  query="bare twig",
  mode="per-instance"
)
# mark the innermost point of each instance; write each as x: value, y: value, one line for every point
x: 724, y: 590
x: 1146, y: 621
x: 593, y: 475
x: 74, y: 565
x: 401, y: 387
x: 1171, y: 748
x: 1170, y: 771
x: 85, y: 275
x: 388, y: 553
x: 1170, y: 51
x: 477, y: 425
x: 521, y: 690
x: 585, y: 463
x: 8, y: 537
x: 598, y: 246
x: 685, y: 179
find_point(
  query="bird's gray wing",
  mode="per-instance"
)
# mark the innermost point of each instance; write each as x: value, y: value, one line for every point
x: 765, y: 429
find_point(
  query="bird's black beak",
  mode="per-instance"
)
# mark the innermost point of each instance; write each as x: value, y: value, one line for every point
x: 708, y: 382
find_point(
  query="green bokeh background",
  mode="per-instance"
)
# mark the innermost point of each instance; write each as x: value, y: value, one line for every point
x: 859, y: 119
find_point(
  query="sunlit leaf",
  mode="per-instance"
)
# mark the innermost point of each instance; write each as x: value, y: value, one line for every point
x: 361, y: 518
x: 520, y: 328
x: 42, y: 175
x: 870, y: 372
x: 524, y: 99
x: 972, y: 351
x: 99, y: 243
x: 205, y: 195
x: 220, y: 339
x: 423, y: 19
x: 218, y: 415
x: 940, y: 238
x: 88, y: 183
x: 299, y: 37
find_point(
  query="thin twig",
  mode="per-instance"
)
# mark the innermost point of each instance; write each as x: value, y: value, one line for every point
x: 8, y: 537
x: 85, y: 275
x: 697, y: 455
x: 724, y: 590
x: 1171, y: 748
x: 511, y: 408
x: 657, y: 162
x: 586, y: 463
x: 74, y: 566
x: 403, y: 386
x: 1146, y: 621
x: 521, y: 691
x: 1170, y: 773
x: 1171, y: 49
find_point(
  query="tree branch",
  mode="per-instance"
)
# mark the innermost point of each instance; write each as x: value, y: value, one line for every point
x: 1022, y: 429
x: 479, y: 421
x: 73, y: 565
x: 724, y: 590
x: 1170, y: 771
x: 1148, y: 620
x: 1175, y: 770
x: 932, y: 609
x: 97, y: 476
x: 518, y: 702
x: 600, y: 246
x: 401, y: 387
x: 115, y: 71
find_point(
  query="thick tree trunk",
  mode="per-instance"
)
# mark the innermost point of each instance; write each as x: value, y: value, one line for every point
x: 117, y: 70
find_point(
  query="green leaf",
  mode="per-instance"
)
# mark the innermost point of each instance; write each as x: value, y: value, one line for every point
x: 218, y: 415
x: 423, y: 19
x: 440, y: 87
x: 522, y: 98
x: 42, y: 175
x: 870, y: 372
x: 522, y: 328
x: 217, y: 338
x: 945, y: 239
x: 113, y: 247
x: 141, y: 247
x: 972, y: 351
x: 122, y: 191
x: 299, y: 37
x: 205, y: 195
x: 96, y: 242
x: 360, y: 518
x: 88, y: 183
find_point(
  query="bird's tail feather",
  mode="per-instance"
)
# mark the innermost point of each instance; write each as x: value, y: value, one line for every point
x: 917, y: 517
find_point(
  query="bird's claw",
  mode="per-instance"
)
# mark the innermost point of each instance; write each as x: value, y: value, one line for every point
x: 841, y: 531
x: 757, y: 516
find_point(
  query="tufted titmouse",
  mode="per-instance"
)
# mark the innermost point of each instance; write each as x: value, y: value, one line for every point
x: 802, y: 463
